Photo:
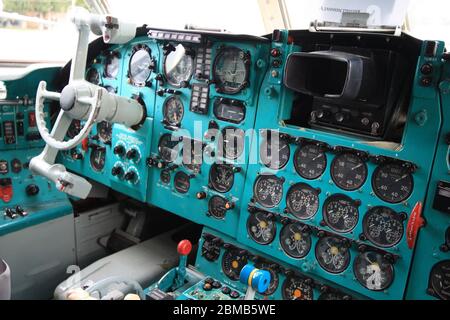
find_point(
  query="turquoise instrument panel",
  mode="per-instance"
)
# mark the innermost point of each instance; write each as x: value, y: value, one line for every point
x: 343, y: 190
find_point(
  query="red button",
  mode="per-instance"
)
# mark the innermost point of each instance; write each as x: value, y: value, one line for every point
x: 85, y: 144
x: 184, y: 247
x: 6, y: 193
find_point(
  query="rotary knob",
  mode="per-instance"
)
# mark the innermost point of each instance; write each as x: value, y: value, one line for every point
x: 119, y: 150
x: 32, y: 190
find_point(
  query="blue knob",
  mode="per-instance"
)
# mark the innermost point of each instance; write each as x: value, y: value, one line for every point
x: 258, y: 279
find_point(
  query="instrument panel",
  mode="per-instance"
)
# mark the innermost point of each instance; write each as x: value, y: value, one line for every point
x: 228, y: 144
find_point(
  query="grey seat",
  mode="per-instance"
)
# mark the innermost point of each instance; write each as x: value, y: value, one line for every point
x: 145, y: 263
x: 5, y: 281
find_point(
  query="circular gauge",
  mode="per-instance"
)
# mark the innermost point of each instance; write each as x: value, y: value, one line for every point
x: 173, y: 111
x: 140, y: 66
x: 392, y: 182
x: 268, y: 190
x: 210, y: 250
x: 310, y: 161
x: 16, y: 165
x: 193, y: 156
x: 112, y: 66
x: 231, y: 70
x: 296, y: 288
x: 164, y: 176
x: 233, y: 142
x: 232, y: 263
x: 302, y: 201
x: 334, y: 296
x: 332, y: 254
x: 93, y: 76
x: 168, y: 147
x: 74, y: 129
x: 104, y: 130
x: 178, y: 66
x: 274, y: 278
x: 217, y: 207
x: 383, y: 227
x: 221, y: 177
x: 340, y: 213
x: 182, y: 182
x: 274, y: 151
x: 373, y: 271
x: 295, y: 240
x: 348, y: 171
x: 439, y: 281
x: 97, y: 159
x: 261, y: 228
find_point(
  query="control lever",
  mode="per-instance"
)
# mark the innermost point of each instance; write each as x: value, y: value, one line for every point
x: 257, y: 280
x: 81, y: 100
x: 184, y: 248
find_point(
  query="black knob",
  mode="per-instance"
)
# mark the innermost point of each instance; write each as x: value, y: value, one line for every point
x: 426, y: 69
x: 10, y: 213
x: 32, y: 190
x: 132, y: 154
x: 130, y: 175
x: 116, y: 171
x: 20, y: 211
x: 119, y: 150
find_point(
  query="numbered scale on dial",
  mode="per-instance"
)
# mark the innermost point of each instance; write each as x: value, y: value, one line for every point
x: 112, y: 65
x: 295, y: 240
x: 392, y: 182
x: 333, y: 254
x: 268, y: 190
x: 140, y: 66
x: 98, y: 159
x: 261, y: 227
x: 274, y: 150
x: 310, y: 161
x: 302, y: 201
x: 383, y: 227
x: 169, y: 147
x: 210, y: 250
x: 104, y: 131
x: 340, y: 213
x: 217, y: 207
x: 348, y: 171
x: 231, y: 70
x: 173, y: 111
x: 221, y: 177
x: 178, y: 65
x: 296, y: 288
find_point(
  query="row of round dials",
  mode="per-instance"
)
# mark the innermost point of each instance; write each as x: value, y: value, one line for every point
x: 370, y: 268
x: 392, y: 182
x: 381, y: 225
x: 231, y: 67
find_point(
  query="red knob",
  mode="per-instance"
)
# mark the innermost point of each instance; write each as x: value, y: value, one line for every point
x: 184, y: 247
x: 85, y: 144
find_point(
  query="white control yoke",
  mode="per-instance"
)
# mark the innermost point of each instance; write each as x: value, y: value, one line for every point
x: 81, y: 100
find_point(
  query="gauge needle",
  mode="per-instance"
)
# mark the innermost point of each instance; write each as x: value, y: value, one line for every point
x: 401, y: 178
x: 317, y: 157
x: 358, y: 166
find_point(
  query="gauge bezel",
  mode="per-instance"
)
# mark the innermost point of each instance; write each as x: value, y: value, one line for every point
x: 336, y: 180
x: 220, y: 88
x: 358, y: 275
x: 206, y: 256
x: 176, y: 179
x: 92, y: 155
x: 269, y: 221
x: 232, y: 253
x: 135, y: 49
x: 339, y: 197
x: 274, y: 280
x: 255, y: 193
x: 232, y: 103
x: 297, y: 166
x: 393, y: 215
x: 163, y: 175
x: 302, y: 186
x: 212, y: 206
x: 213, y: 184
x: 237, y: 153
x: 348, y: 257
x: 108, y: 60
x: 105, y: 139
x: 308, y: 240
x: 178, y: 85
x: 376, y: 188
x: 165, y: 111
x: 289, y: 279
x: 433, y: 290
x: 265, y: 145
x: 177, y: 145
